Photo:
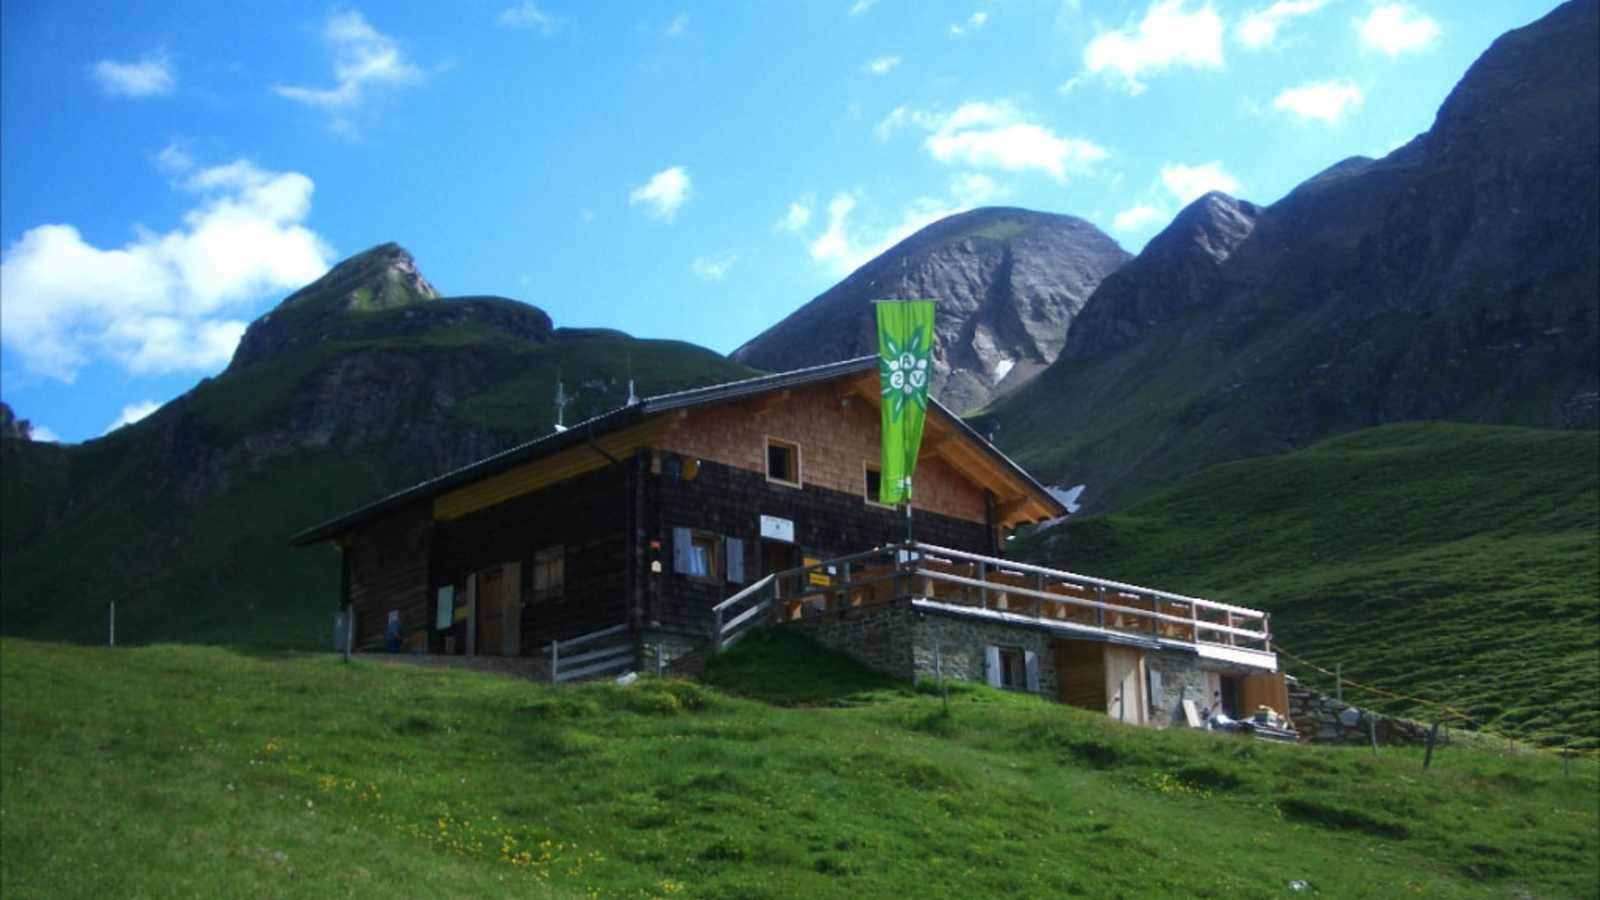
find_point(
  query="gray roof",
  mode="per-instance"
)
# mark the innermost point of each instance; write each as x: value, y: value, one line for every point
x: 622, y: 417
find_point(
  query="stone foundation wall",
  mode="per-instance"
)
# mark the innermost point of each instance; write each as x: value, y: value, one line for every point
x: 961, y: 643
x: 1321, y: 719
x: 1181, y: 679
x: 879, y: 637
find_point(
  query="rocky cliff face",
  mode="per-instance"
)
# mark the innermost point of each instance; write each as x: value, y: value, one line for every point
x: 1458, y: 277
x: 1009, y: 283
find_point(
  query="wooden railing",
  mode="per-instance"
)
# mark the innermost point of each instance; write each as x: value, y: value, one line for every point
x: 942, y: 576
x: 567, y: 665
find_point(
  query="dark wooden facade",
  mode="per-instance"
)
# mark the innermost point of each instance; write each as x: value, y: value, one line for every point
x: 619, y: 509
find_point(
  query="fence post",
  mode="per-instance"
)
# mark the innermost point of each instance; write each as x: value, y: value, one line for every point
x: 1338, y: 681
x: 1372, y: 732
x: 1433, y: 735
x: 111, y: 625
x: 349, y: 628
x: 555, y: 661
x: 983, y: 592
x: 716, y: 631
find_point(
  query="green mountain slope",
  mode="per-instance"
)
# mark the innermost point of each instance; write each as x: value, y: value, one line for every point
x: 361, y: 384
x: 192, y: 771
x: 1453, y: 562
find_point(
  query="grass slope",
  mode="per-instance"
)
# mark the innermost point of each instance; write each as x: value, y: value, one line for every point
x: 83, y: 525
x: 181, y: 770
x: 1453, y: 562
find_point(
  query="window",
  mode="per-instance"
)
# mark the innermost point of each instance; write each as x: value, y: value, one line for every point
x: 874, y: 484
x: 706, y: 556
x: 783, y: 462
x: 549, y: 573
x: 1012, y: 668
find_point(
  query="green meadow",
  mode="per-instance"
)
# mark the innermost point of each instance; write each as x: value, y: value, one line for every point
x: 172, y: 770
x: 1452, y: 563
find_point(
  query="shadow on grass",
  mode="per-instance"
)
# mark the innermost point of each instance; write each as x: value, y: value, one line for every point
x: 784, y: 668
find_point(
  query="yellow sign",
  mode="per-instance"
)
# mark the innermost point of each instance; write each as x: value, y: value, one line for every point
x: 815, y: 577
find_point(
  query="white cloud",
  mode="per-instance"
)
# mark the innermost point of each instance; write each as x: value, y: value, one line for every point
x: 132, y: 413
x: 973, y: 23
x: 362, y: 58
x: 679, y: 26
x: 1323, y: 101
x: 159, y: 303
x: 882, y: 65
x: 970, y: 189
x: 861, y: 6
x: 1167, y: 35
x: 796, y: 218
x: 997, y: 135
x: 1396, y: 28
x: 1188, y: 182
x: 842, y: 248
x: 148, y: 77
x: 664, y: 194
x: 893, y: 122
x: 1137, y: 217
x: 712, y: 268
x: 527, y: 15
x: 1258, y: 30
x: 174, y: 159
x: 44, y: 434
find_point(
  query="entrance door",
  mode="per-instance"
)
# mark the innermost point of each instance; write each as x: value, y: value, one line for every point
x: 491, y: 612
x: 777, y: 556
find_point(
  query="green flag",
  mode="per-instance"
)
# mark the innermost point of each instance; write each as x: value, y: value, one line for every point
x: 905, y: 345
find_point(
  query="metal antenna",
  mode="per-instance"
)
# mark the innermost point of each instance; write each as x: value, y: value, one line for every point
x: 561, y: 402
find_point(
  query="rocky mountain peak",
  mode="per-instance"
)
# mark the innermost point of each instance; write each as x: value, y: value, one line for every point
x: 378, y: 293
x: 1008, y: 281
x: 1177, y: 269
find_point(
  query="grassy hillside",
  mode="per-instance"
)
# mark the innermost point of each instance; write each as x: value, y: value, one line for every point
x: 183, y: 519
x: 1453, y: 562
x: 169, y: 770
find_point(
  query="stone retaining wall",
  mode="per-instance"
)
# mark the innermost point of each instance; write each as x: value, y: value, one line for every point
x: 1321, y: 719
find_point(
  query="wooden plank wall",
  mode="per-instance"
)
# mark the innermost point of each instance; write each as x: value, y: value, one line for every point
x: 587, y: 515
x: 388, y: 569
x: 730, y: 501
x: 1081, y: 673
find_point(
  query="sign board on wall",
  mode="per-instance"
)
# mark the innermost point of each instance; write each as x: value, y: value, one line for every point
x: 776, y: 529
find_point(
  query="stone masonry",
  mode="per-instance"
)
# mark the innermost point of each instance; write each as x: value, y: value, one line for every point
x: 1321, y: 719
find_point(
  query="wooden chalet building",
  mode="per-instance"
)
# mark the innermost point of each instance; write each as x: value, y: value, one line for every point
x: 646, y: 536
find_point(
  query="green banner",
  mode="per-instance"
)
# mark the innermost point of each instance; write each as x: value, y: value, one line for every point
x: 905, y: 348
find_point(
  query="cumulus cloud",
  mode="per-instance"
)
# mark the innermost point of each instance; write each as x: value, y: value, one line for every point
x: 363, y: 58
x: 527, y: 15
x: 796, y: 218
x: 844, y: 245
x: 1396, y: 28
x: 679, y: 26
x: 664, y: 194
x: 973, y: 23
x: 1187, y: 182
x: 149, y: 77
x: 1168, y: 35
x: 132, y: 413
x: 161, y: 302
x: 1322, y: 101
x: 883, y: 65
x: 861, y: 6
x: 1137, y: 217
x: 996, y: 135
x: 1258, y: 30
x: 713, y: 268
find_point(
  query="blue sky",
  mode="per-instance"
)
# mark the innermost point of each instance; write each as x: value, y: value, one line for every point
x: 676, y: 170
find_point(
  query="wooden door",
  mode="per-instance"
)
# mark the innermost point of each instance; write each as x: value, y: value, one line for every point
x: 491, y: 612
x: 1125, y: 699
x: 511, y: 603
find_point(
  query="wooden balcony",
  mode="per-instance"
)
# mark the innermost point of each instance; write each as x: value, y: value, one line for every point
x: 943, y: 579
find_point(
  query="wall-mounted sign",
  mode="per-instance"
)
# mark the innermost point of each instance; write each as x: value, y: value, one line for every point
x: 776, y: 529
